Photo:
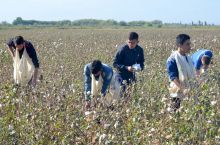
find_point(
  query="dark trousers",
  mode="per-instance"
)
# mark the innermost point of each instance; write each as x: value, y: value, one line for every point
x: 175, y: 103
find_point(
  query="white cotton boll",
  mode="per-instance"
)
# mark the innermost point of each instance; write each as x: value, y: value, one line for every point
x: 112, y: 137
x: 213, y: 103
x: 88, y: 113
x: 12, y: 132
x: 73, y: 90
x: 102, y: 138
x: 14, y: 90
x: 186, y: 91
x: 164, y: 99
x: 174, y: 95
x: 214, y: 40
x: 140, y: 99
x: 150, y: 134
x: 117, y: 115
x: 116, y: 124
x: 10, y: 127
x: 162, y: 111
x: 71, y: 86
x: 202, y: 71
x: 106, y: 126
x: 152, y: 130
x: 146, y: 123
x: 169, y: 109
x: 209, y: 121
x: 134, y: 119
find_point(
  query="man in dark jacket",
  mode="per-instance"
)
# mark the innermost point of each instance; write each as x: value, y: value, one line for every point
x: 18, y: 43
x: 128, y: 57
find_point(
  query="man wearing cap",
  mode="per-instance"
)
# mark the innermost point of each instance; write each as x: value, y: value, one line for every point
x: 23, y: 54
x: 201, y: 60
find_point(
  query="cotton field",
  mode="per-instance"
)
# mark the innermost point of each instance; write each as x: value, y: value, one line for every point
x: 53, y: 112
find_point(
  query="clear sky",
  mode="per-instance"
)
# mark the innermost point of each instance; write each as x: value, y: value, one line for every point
x: 185, y: 11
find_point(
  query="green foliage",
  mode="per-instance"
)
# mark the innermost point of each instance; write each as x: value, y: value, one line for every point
x: 86, y: 22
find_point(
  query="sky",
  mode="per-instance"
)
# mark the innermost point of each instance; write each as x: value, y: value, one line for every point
x: 184, y: 11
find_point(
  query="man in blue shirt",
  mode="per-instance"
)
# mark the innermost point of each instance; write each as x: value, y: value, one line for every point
x: 127, y: 56
x: 96, y: 68
x: 18, y: 43
x: 180, y: 69
x: 201, y: 60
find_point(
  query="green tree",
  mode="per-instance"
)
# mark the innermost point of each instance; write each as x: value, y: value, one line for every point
x: 18, y: 21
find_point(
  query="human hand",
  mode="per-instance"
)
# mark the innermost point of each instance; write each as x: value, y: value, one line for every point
x: 129, y: 68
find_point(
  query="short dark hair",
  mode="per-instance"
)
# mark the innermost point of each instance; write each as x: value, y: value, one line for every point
x: 96, y: 66
x: 181, y: 38
x: 133, y: 36
x: 18, y: 40
x: 207, y: 60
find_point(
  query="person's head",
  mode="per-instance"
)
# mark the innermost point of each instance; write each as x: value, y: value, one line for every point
x: 183, y: 43
x: 206, y: 60
x: 19, y: 42
x: 96, y: 68
x: 132, y: 40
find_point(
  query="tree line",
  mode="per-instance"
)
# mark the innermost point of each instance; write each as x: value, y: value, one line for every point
x: 98, y: 23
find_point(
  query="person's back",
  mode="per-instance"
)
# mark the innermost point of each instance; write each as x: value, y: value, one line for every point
x: 201, y: 59
x: 196, y: 57
x: 29, y: 47
x: 18, y: 47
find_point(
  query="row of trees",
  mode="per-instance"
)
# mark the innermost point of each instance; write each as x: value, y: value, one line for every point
x: 99, y: 23
x: 84, y: 22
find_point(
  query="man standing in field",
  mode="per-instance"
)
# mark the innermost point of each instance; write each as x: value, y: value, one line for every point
x: 201, y: 60
x: 97, y: 75
x: 25, y: 59
x: 180, y: 70
x: 129, y: 58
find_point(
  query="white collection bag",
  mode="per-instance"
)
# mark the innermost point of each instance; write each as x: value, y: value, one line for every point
x: 96, y: 85
x: 114, y: 89
x: 23, y: 68
x: 186, y: 73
